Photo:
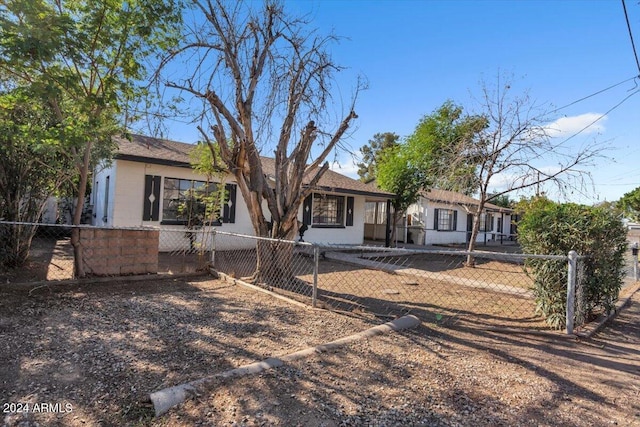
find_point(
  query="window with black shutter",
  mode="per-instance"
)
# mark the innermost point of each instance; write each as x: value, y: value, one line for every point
x: 445, y: 220
x: 328, y: 210
x: 350, y: 206
x: 151, y: 199
x: 229, y: 207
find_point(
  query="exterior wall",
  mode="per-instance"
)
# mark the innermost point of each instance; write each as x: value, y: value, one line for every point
x: 50, y: 213
x: 348, y: 235
x: 114, y: 252
x: 126, y: 205
x: 129, y: 195
x: 423, y: 225
x: 102, y: 193
x: 438, y: 237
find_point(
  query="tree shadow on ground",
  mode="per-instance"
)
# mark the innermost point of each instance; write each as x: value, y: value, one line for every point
x: 103, y: 347
x: 50, y: 258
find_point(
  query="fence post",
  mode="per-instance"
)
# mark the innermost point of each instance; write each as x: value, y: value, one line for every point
x: 213, y: 248
x: 571, y: 290
x: 634, y: 256
x: 316, y: 262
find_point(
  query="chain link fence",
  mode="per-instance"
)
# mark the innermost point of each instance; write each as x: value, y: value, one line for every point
x: 438, y: 285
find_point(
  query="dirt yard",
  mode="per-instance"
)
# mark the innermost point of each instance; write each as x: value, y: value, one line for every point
x: 89, y: 355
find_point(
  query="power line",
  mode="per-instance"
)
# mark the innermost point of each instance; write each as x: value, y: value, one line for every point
x: 633, y: 45
x: 600, y: 117
x: 594, y: 94
x: 617, y: 185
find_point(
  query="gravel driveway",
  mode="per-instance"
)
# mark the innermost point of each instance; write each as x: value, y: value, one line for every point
x: 89, y: 355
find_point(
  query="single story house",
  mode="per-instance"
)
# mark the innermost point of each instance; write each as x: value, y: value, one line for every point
x: 446, y: 217
x: 150, y: 178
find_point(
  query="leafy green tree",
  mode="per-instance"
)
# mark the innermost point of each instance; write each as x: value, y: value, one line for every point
x: 596, y: 233
x: 503, y: 200
x: 205, y: 160
x: 88, y: 60
x: 396, y: 174
x: 424, y: 160
x: 371, y: 153
x: 629, y: 204
x: 444, y: 147
x: 32, y: 167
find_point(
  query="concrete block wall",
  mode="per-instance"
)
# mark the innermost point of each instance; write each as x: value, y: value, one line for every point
x: 113, y: 252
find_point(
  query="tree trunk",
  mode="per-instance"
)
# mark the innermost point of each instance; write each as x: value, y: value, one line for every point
x: 15, y: 240
x: 78, y: 267
x: 474, y: 234
x: 274, y: 266
x: 394, y: 228
x: 15, y: 244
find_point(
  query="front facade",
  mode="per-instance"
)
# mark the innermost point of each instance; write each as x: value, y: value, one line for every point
x: 150, y: 181
x: 444, y: 217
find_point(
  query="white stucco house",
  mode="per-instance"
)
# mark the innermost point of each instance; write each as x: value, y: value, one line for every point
x: 446, y: 217
x: 148, y: 177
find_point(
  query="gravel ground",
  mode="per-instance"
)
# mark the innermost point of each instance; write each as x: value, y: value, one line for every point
x: 89, y: 355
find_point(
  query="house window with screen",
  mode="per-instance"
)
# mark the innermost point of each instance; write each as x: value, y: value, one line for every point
x: 188, y: 201
x: 370, y: 212
x: 328, y: 210
x: 486, y: 222
x: 445, y: 220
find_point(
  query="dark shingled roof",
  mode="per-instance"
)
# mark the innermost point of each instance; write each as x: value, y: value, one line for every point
x: 146, y: 149
x: 452, y: 197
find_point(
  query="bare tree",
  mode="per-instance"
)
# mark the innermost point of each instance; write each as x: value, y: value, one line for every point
x: 265, y: 82
x: 517, y: 146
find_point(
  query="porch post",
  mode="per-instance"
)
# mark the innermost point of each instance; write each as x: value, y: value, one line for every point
x: 387, y: 232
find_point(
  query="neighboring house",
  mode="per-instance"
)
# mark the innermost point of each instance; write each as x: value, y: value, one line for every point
x: 150, y: 178
x: 446, y: 217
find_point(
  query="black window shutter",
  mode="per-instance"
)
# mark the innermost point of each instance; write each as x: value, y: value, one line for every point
x: 229, y: 208
x: 306, y: 209
x: 435, y: 218
x: 151, y: 201
x: 455, y: 220
x: 350, y: 203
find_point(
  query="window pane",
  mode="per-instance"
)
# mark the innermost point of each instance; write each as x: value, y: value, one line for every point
x: 185, y: 184
x: 369, y: 212
x: 328, y: 209
x: 169, y: 209
x: 200, y: 187
x: 445, y: 219
x: 382, y: 213
x: 187, y: 200
x: 170, y: 183
x: 211, y: 188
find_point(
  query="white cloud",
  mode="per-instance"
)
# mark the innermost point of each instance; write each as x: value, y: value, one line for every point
x: 345, y: 167
x: 567, y: 126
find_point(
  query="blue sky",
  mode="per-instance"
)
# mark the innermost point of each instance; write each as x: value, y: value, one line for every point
x: 418, y: 54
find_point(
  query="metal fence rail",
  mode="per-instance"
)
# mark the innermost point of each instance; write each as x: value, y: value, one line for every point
x: 436, y: 284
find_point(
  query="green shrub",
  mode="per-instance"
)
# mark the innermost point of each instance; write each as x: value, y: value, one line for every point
x: 595, y: 233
